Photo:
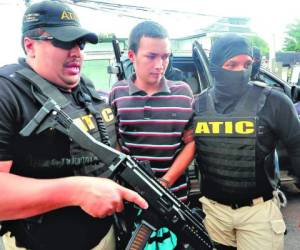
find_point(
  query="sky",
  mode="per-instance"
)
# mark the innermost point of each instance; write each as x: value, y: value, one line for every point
x: 267, y: 18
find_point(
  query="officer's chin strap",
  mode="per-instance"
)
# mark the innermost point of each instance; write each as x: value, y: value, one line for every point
x: 280, y: 197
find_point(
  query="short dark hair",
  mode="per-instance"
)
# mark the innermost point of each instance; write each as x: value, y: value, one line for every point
x: 31, y: 33
x: 145, y: 29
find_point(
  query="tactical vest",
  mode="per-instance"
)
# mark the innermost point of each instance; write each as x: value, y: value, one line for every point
x: 76, y: 158
x: 52, y: 154
x: 226, y: 145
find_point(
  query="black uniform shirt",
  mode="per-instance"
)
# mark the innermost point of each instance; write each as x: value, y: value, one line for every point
x: 65, y: 228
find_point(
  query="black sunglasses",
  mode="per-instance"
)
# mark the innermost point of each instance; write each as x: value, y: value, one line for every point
x: 61, y: 44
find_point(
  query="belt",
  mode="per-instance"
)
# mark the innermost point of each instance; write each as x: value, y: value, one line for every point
x: 250, y: 202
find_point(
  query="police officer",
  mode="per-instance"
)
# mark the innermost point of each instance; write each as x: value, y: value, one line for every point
x: 43, y: 205
x: 237, y: 126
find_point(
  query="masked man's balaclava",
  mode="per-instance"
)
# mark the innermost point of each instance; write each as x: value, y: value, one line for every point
x: 256, y: 63
x: 228, y: 86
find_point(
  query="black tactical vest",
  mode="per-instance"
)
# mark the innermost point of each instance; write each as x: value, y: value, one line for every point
x: 52, y: 154
x: 35, y: 156
x: 226, y: 145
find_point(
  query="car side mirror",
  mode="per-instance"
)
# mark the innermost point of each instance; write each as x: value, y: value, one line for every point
x: 295, y: 93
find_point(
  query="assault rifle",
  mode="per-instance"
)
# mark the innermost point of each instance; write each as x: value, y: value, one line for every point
x: 118, y: 69
x: 122, y: 67
x: 172, y: 213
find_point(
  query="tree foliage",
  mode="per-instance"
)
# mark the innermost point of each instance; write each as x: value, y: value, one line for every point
x: 261, y: 44
x: 292, y: 38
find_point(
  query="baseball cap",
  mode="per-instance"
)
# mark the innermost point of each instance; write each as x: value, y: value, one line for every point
x: 57, y: 19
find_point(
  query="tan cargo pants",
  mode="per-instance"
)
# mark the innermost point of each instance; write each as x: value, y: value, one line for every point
x: 260, y: 226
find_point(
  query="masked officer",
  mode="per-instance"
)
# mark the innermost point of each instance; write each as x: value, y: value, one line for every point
x: 237, y: 126
x: 43, y: 205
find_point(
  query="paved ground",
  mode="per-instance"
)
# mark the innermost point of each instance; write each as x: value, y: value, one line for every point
x: 292, y: 218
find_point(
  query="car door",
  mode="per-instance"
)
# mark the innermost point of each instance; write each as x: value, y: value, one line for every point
x: 273, y: 80
x: 201, y: 63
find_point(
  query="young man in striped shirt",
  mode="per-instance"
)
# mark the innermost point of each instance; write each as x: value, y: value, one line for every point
x: 152, y: 112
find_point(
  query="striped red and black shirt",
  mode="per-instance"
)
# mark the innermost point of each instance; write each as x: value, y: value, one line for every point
x: 150, y: 127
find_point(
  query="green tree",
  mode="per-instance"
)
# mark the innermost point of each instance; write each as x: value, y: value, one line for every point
x: 261, y: 44
x: 292, y: 39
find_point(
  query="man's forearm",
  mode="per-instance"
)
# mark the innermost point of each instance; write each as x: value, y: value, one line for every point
x: 181, y: 163
x: 22, y: 197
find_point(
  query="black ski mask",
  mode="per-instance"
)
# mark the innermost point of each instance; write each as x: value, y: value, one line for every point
x: 229, y: 85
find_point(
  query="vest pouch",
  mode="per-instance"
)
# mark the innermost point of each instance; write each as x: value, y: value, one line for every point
x: 95, y: 170
x: 88, y: 163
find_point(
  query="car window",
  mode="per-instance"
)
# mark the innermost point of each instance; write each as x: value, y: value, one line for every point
x: 274, y: 81
x: 187, y: 66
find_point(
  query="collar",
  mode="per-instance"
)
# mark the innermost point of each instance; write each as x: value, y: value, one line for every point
x: 23, y: 62
x: 133, y: 89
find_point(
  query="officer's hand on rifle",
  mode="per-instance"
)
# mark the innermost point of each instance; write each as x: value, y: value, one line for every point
x: 101, y: 197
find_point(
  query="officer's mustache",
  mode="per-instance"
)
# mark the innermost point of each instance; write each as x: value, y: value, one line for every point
x: 76, y: 62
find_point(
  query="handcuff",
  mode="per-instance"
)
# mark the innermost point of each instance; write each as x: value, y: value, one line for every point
x: 165, y: 181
